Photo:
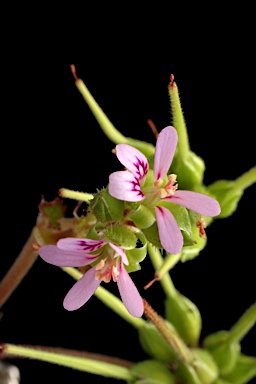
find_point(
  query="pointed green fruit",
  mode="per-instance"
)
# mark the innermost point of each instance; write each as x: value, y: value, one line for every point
x: 151, y: 372
x: 185, y: 317
x: 154, y: 344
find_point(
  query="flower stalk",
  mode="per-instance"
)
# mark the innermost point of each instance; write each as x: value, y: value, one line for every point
x: 79, y: 363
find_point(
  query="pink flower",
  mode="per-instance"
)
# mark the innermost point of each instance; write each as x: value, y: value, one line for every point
x: 75, y: 252
x: 129, y: 185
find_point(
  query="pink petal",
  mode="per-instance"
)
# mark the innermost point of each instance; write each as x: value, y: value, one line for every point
x: 53, y: 255
x: 129, y: 293
x: 81, y: 291
x: 169, y: 231
x: 123, y: 185
x: 120, y: 252
x: 165, y: 148
x: 197, y: 202
x: 76, y: 244
x: 133, y: 160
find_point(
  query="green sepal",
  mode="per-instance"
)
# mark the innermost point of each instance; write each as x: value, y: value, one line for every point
x: 192, y: 251
x: 121, y: 235
x: 185, y: 317
x: 149, y: 181
x: 105, y: 207
x: 228, y: 193
x: 180, y: 214
x: 190, y: 172
x: 154, y: 344
x: 152, y: 235
x: 142, y: 217
x: 244, y: 370
x: 151, y: 372
x: 227, y: 196
x: 93, y: 233
x: 224, y: 353
x: 205, y: 366
x: 138, y: 254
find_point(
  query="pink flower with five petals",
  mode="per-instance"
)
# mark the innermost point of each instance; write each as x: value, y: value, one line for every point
x: 76, y: 252
x: 128, y: 185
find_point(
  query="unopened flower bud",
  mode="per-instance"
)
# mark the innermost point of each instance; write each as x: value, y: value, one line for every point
x: 224, y: 353
x: 185, y: 317
x: 244, y: 370
x: 205, y: 366
x: 105, y: 207
x: 151, y: 371
x: 154, y: 344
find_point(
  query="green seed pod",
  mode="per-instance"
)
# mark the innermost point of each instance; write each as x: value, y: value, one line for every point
x: 185, y: 317
x: 190, y: 171
x: 187, y: 374
x: 154, y: 344
x: 224, y: 353
x: 152, y: 372
x: 205, y: 366
x: 142, y: 217
x: 105, y: 207
x: 244, y: 370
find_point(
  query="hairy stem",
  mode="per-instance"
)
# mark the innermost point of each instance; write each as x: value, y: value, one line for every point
x: 19, y: 269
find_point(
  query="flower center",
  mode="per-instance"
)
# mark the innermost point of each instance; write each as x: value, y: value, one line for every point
x: 107, y: 268
x: 157, y: 192
x: 169, y: 189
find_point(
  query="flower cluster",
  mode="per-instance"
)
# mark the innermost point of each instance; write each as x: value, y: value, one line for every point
x: 106, y: 259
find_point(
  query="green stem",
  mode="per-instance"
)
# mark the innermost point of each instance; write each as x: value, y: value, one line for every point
x: 243, y: 325
x: 169, y: 262
x: 242, y: 182
x: 73, y: 352
x: 157, y: 261
x: 107, y: 127
x: 181, y: 350
x: 75, y: 195
x: 247, y: 179
x: 79, y: 363
x: 109, y: 300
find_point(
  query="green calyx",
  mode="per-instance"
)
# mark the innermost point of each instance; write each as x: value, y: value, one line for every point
x: 105, y: 207
x: 121, y: 235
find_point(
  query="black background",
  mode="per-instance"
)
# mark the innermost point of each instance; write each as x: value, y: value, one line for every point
x: 51, y: 140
